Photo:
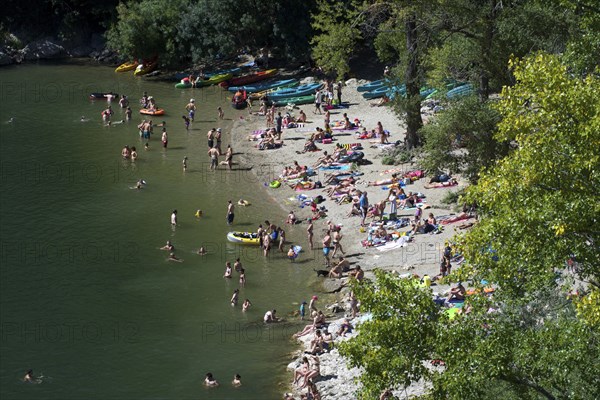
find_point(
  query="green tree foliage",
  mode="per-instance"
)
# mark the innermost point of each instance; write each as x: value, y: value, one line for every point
x: 146, y: 29
x: 392, y: 346
x: 583, y: 50
x: 220, y: 29
x: 461, y: 139
x: 545, y: 190
x: 335, y: 36
x: 539, y: 208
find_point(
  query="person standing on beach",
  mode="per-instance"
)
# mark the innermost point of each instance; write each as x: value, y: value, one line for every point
x: 191, y: 109
x: 338, y: 90
x: 363, y: 202
x: 327, y: 246
x: 312, y: 306
x: 230, y: 215
x: 278, y: 125
x: 220, y: 112
x: 214, y: 158
x: 218, y: 140
x: 309, y: 232
x: 317, y: 102
x: 229, y: 156
x: 211, y: 138
x: 302, y: 310
x: 337, y: 237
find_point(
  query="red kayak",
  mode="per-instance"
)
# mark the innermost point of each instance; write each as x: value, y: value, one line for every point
x: 250, y: 78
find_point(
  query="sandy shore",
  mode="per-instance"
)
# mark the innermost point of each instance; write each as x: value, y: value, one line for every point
x: 420, y: 256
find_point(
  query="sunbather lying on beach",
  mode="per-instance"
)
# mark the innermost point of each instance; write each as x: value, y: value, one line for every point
x: 318, y: 322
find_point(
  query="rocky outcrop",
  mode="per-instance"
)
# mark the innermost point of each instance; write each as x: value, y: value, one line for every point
x: 43, y: 49
x: 5, y: 58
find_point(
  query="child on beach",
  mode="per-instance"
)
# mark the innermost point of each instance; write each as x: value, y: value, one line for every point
x: 302, y: 310
x: 221, y: 113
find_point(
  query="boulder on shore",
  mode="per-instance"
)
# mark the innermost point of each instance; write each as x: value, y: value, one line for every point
x: 43, y: 49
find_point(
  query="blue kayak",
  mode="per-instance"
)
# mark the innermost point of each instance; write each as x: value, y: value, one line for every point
x: 302, y: 90
x: 369, y: 87
x: 377, y: 93
x: 460, y: 91
x: 259, y: 87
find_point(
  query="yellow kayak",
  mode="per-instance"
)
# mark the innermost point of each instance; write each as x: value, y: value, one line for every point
x: 128, y: 66
x: 144, y: 69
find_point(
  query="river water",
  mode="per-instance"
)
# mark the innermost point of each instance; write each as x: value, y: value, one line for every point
x: 88, y: 301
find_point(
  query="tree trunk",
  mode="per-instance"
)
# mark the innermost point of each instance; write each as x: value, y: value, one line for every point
x: 486, y: 50
x: 414, y: 122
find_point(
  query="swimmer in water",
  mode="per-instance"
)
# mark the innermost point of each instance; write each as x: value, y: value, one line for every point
x: 234, y: 298
x: 246, y: 305
x: 184, y: 163
x: 169, y: 246
x: 173, y: 257
x: 82, y: 119
x: 227, y: 270
x: 210, y: 381
x: 202, y: 251
x: 29, y: 377
x: 147, y: 146
x: 237, y: 380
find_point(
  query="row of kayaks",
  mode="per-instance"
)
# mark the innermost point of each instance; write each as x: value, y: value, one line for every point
x: 383, y: 87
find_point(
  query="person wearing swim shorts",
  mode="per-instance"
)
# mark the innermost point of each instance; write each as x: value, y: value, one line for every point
x: 327, y: 246
x: 191, y: 109
x: 230, y: 214
x: 211, y: 138
x: 214, y: 158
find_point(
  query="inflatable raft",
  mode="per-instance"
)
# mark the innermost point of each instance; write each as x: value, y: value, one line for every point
x: 243, y: 237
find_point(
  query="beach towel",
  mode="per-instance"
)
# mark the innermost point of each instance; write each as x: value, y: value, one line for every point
x: 335, y: 167
x: 438, y: 185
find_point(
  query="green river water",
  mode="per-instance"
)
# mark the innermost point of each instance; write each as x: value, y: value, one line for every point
x: 88, y: 300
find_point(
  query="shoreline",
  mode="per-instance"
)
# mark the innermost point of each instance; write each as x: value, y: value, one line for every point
x: 421, y: 256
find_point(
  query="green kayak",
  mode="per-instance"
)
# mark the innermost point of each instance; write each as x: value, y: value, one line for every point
x: 213, y: 80
x: 295, y: 100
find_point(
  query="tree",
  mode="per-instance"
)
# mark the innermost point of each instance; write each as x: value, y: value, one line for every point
x: 211, y: 30
x: 393, y: 345
x: 335, y: 37
x: 539, y: 209
x: 461, y: 139
x: 146, y: 29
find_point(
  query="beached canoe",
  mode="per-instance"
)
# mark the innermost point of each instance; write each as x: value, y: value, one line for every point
x: 261, y: 86
x: 180, y: 75
x: 460, y: 91
x: 250, y: 78
x: 128, y: 66
x: 295, y: 100
x: 302, y: 90
x: 369, y: 87
x: 258, y: 95
x: 213, y: 80
x: 146, y: 68
x: 243, y: 237
x: 376, y: 93
x: 158, y: 111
